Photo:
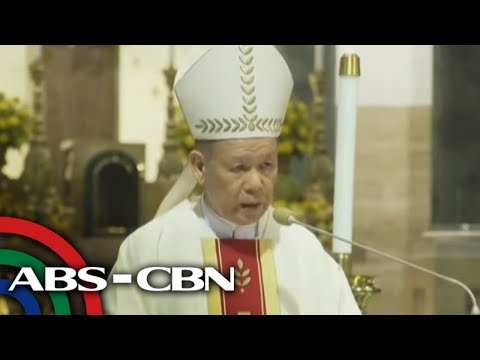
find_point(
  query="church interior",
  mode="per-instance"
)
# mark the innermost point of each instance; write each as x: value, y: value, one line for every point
x: 92, y: 139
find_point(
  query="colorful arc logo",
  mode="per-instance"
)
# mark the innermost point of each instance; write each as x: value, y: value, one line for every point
x: 62, y: 248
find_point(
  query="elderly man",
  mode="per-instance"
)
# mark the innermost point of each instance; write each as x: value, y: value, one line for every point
x: 234, y: 98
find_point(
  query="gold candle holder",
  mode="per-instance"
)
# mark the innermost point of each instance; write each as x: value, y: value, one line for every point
x: 345, y: 262
x: 363, y: 286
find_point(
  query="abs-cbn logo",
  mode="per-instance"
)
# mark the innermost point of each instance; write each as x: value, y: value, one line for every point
x: 182, y: 279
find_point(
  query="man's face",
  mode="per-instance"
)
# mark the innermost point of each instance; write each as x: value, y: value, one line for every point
x: 239, y: 178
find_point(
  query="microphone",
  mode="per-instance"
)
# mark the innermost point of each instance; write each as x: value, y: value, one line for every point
x: 286, y: 217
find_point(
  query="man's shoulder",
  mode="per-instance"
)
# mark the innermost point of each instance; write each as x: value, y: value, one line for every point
x: 147, y: 236
x: 305, y: 243
x: 179, y: 213
x: 301, y: 236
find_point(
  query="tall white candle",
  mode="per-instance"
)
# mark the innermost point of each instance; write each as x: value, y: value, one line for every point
x: 318, y: 57
x: 345, y: 151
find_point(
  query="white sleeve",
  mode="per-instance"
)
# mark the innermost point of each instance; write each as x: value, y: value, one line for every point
x: 123, y: 299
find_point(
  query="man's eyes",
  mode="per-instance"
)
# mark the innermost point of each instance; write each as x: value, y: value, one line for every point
x: 242, y: 168
x: 238, y: 168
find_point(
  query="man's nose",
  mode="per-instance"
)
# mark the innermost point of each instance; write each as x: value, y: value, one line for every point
x: 253, y: 181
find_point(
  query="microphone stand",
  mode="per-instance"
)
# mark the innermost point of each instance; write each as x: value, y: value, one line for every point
x: 475, y: 309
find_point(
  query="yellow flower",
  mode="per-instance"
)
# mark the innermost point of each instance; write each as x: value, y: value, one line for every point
x: 296, y: 129
x: 23, y: 113
x: 308, y: 205
x: 302, y: 147
x: 302, y: 107
x: 303, y: 132
x: 13, y: 121
x: 286, y: 130
x: 297, y: 209
x: 189, y: 141
x: 285, y: 147
x: 292, y: 118
x: 15, y: 127
x: 321, y: 203
x: 3, y: 105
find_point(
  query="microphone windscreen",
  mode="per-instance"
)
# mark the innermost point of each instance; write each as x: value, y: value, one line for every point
x: 282, y: 215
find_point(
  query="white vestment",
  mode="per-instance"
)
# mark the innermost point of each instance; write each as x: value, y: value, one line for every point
x: 309, y: 281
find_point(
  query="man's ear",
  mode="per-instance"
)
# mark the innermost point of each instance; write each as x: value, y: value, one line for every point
x: 197, y: 161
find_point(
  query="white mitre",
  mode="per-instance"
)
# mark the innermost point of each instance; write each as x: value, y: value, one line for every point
x: 235, y: 91
x: 231, y: 92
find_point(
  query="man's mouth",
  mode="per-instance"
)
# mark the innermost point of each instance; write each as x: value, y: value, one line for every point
x: 250, y: 205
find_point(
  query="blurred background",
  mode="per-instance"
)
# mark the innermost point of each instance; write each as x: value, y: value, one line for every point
x: 91, y: 139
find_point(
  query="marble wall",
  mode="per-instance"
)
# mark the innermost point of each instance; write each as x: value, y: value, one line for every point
x: 392, y: 192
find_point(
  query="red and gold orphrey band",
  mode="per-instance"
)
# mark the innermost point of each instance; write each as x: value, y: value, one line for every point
x: 255, y: 277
